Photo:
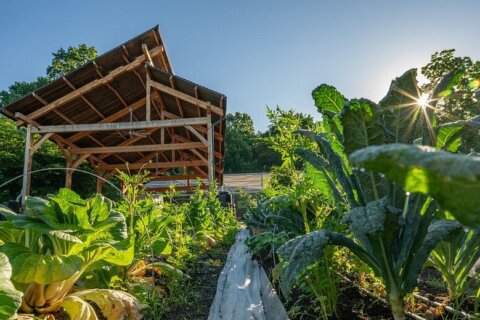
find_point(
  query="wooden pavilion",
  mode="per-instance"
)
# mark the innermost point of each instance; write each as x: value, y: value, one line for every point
x: 127, y: 110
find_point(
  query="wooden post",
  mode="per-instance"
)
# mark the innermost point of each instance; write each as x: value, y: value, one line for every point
x: 211, y: 172
x: 68, y: 173
x: 100, y: 182
x: 148, y: 102
x: 27, y: 166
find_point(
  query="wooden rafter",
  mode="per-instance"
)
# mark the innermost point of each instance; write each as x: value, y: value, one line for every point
x: 114, y: 117
x: 95, y: 109
x: 185, y: 97
x: 90, y: 86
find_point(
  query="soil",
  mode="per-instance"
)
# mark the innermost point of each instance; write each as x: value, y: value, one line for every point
x: 203, y: 275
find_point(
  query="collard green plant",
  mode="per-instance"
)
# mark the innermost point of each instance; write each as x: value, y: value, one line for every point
x: 393, y: 243
x: 55, y: 242
x: 455, y: 257
x: 453, y: 180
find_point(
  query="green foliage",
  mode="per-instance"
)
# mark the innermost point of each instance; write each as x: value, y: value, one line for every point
x: 452, y: 180
x: 65, y: 61
x: 394, y: 244
x: 10, y: 298
x: 48, y: 156
x: 239, y: 134
x: 56, y: 240
x: 455, y: 257
x: 460, y: 99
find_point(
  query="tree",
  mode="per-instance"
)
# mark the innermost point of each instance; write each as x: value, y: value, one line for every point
x: 238, y: 143
x: 461, y: 99
x: 48, y: 156
x: 65, y: 61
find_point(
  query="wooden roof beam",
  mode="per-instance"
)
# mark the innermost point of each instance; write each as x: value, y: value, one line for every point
x: 146, y: 53
x: 95, y: 109
x: 90, y: 86
x: 118, y: 125
x: 139, y: 148
x: 185, y: 97
x: 114, y: 117
x: 154, y: 165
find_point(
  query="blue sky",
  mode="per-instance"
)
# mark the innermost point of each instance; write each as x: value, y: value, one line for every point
x: 257, y: 53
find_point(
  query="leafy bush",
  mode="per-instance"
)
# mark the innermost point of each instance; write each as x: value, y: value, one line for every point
x: 57, y: 240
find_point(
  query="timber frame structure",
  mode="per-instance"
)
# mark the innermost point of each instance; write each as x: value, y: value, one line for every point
x: 126, y: 110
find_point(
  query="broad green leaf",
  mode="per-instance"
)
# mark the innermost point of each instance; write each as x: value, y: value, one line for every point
x: 451, y: 179
x: 373, y: 220
x: 303, y: 251
x: 43, y: 269
x: 328, y: 100
x: 473, y: 123
x: 362, y: 126
x: 400, y: 109
x: 10, y: 298
x: 437, y: 231
x: 448, y: 138
x: 334, y: 165
x: 78, y: 309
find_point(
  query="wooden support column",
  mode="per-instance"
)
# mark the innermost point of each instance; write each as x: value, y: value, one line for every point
x: 211, y: 169
x: 148, y: 97
x: 68, y: 173
x: 27, y: 166
x: 100, y: 182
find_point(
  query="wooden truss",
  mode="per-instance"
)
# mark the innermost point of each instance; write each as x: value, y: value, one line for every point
x: 201, y: 127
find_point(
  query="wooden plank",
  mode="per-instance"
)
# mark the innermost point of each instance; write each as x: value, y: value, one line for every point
x: 199, y: 128
x: 139, y: 148
x: 153, y: 165
x: 148, y: 99
x: 40, y: 142
x: 211, y: 159
x: 114, y: 117
x: 171, y: 178
x: 119, y: 125
x: 27, y: 166
x: 197, y: 134
x: 58, y: 139
x: 146, y: 53
x: 84, y: 99
x: 186, y: 97
x: 90, y: 86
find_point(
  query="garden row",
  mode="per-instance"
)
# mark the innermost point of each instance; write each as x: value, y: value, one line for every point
x: 375, y: 198
x: 70, y: 258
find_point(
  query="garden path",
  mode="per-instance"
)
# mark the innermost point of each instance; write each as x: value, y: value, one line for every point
x: 243, y: 290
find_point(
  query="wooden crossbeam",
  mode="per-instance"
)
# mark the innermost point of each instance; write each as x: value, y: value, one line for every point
x: 185, y: 97
x: 201, y: 129
x: 119, y: 125
x: 153, y: 165
x: 139, y: 148
x: 59, y: 139
x: 90, y: 86
x: 114, y: 117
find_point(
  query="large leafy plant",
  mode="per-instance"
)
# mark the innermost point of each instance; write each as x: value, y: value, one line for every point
x: 393, y: 231
x: 56, y: 241
x: 10, y: 297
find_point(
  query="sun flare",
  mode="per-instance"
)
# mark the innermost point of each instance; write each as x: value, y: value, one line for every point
x: 423, y: 101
